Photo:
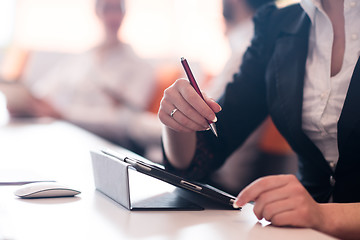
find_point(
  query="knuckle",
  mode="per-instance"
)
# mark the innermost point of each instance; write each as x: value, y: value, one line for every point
x: 161, y: 116
x: 163, y: 97
x: 291, y: 177
x: 160, y: 111
x: 278, y: 221
x: 180, y: 82
x: 163, y: 105
x: 256, y: 208
x: 257, y: 212
x: 167, y: 92
x: 296, y: 189
x: 267, y: 213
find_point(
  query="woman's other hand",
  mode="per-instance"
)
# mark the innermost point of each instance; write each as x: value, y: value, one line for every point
x: 282, y: 200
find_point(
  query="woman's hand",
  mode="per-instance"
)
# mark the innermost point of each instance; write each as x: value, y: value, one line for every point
x: 191, y: 111
x: 283, y: 201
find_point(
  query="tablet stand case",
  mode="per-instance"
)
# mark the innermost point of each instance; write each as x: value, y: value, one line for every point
x: 111, y: 178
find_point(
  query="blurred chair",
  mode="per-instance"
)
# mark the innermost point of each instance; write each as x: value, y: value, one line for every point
x: 272, y: 141
x: 165, y: 76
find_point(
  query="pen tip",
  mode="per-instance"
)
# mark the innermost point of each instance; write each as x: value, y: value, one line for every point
x: 213, y: 129
x: 182, y: 58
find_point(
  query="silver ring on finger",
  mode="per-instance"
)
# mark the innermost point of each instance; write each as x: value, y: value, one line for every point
x: 173, y: 112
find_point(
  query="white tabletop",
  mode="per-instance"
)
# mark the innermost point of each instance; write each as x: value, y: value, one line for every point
x: 60, y: 151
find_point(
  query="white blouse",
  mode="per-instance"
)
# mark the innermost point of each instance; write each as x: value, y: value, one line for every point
x: 324, y: 95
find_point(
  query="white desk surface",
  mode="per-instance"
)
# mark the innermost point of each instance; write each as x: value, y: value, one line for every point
x: 61, y: 152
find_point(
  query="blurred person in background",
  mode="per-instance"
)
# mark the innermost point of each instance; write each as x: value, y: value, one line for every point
x: 250, y: 161
x: 105, y: 90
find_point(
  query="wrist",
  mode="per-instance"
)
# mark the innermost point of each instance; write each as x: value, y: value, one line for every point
x: 179, y: 147
x: 335, y: 219
x: 326, y: 223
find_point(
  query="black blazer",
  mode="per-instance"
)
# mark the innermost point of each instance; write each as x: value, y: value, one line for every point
x: 270, y: 81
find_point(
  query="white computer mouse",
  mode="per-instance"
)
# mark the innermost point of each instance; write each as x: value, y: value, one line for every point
x: 45, y: 190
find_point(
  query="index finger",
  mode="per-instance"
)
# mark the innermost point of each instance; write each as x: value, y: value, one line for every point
x: 259, y: 186
x: 195, y: 100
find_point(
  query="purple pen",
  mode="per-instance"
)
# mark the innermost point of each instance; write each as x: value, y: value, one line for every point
x: 197, y: 89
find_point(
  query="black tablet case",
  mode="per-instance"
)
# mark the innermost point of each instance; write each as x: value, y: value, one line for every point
x: 111, y: 177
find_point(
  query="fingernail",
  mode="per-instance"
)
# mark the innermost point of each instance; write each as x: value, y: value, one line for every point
x: 215, y: 119
x: 235, y: 205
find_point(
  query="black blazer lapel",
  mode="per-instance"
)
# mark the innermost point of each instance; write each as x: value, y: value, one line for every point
x: 289, y: 65
x: 285, y: 75
x: 350, y: 114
